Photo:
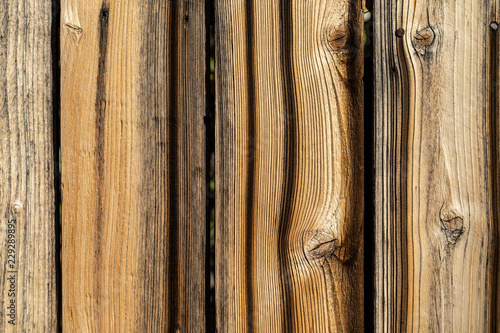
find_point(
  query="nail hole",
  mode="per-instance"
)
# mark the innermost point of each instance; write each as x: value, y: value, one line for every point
x: 400, y: 32
x: 104, y: 14
x: 494, y: 25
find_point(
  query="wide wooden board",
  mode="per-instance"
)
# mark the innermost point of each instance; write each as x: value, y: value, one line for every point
x: 133, y: 154
x: 437, y: 199
x: 289, y: 166
x: 28, y: 300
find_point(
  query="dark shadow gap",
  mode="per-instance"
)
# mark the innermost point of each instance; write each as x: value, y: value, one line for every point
x: 210, y: 166
x: 56, y: 144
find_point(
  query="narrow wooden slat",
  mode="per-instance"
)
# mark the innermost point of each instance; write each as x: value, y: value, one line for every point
x: 289, y: 166
x: 437, y: 166
x: 494, y: 161
x: 27, y: 208
x: 133, y: 145
x: 493, y: 128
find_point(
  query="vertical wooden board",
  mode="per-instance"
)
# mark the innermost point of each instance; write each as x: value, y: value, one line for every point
x: 27, y: 209
x: 493, y: 121
x: 289, y: 166
x: 133, y: 146
x: 494, y: 161
x: 436, y: 166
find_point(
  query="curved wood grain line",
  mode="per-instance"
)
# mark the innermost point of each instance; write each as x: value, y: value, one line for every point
x: 252, y: 153
x: 290, y: 161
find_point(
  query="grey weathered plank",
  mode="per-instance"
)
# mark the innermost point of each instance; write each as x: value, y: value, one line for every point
x: 27, y: 209
x: 133, y: 146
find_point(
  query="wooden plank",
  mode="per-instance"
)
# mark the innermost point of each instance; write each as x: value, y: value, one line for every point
x: 133, y: 145
x: 27, y: 207
x: 493, y: 120
x: 437, y: 166
x: 289, y: 166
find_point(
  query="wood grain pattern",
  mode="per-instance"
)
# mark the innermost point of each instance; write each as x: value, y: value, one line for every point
x: 437, y: 166
x: 133, y: 146
x: 289, y: 166
x: 27, y: 209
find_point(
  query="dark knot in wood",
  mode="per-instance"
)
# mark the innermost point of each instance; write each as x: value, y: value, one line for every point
x: 345, y: 43
x: 453, y: 226
x: 322, y: 245
x: 425, y: 36
x: 337, y: 39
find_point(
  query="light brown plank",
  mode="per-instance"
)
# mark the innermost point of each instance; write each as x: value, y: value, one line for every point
x: 27, y: 209
x: 289, y: 166
x: 437, y: 166
x: 133, y: 145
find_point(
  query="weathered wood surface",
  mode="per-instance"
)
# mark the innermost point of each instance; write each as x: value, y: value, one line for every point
x: 133, y: 101
x: 437, y: 166
x: 289, y: 166
x: 27, y: 209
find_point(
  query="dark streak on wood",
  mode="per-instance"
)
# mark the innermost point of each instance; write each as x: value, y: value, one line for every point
x: 173, y: 269
x: 252, y: 156
x: 100, y: 119
x: 209, y: 122
x: 400, y: 199
x: 289, y: 162
x: 355, y: 144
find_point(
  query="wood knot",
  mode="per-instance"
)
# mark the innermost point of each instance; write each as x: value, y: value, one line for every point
x: 347, y: 44
x: 17, y: 207
x: 452, y: 224
x: 75, y: 30
x: 337, y: 39
x: 424, y: 40
x: 425, y: 36
x: 322, y: 245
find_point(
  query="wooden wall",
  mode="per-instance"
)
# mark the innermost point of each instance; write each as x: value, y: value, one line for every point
x: 307, y: 239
